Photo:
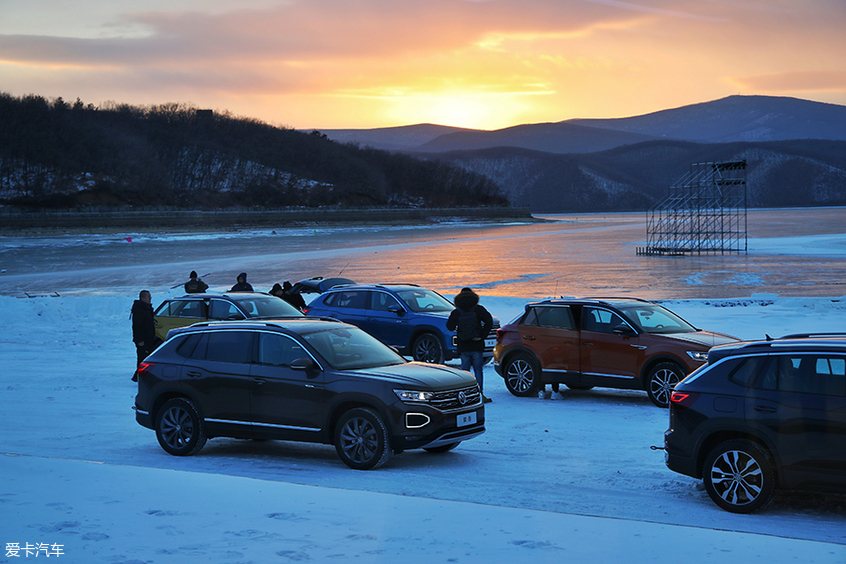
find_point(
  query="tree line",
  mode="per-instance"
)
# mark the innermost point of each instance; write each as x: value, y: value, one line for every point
x: 55, y: 154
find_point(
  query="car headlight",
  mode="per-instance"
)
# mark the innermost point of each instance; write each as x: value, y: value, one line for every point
x: 414, y: 396
x: 700, y: 356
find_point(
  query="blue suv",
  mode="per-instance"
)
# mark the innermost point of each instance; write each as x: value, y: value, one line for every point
x: 405, y: 316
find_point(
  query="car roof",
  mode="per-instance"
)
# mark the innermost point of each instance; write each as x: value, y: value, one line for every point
x: 294, y: 323
x: 393, y: 286
x: 591, y: 301
x: 228, y: 295
x: 806, y: 342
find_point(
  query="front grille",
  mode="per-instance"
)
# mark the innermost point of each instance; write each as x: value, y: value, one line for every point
x: 448, y: 400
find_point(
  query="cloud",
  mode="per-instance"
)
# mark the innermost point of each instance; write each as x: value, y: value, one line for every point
x: 796, y: 81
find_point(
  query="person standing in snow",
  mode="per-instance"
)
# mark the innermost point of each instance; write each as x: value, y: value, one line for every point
x: 242, y: 285
x: 195, y: 285
x: 143, y: 325
x: 472, y: 323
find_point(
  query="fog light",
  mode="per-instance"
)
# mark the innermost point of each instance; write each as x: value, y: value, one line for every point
x: 416, y: 420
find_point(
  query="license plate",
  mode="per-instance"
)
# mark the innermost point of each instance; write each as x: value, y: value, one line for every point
x: 466, y: 419
x: 490, y: 343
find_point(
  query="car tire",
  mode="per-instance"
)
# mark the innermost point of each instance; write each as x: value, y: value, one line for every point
x: 428, y: 348
x: 179, y: 427
x: 442, y: 448
x: 739, y: 476
x: 522, y: 375
x: 362, y: 440
x: 661, y: 381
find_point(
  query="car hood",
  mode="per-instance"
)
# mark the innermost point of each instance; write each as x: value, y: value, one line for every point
x: 411, y: 374
x: 705, y: 338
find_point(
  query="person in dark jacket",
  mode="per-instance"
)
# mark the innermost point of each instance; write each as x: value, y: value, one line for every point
x: 195, y: 285
x: 242, y: 285
x: 143, y: 325
x: 295, y: 300
x: 472, y: 323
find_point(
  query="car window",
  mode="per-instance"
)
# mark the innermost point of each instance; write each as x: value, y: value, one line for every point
x: 655, y: 319
x: 381, y: 301
x: 222, y: 309
x: 352, y: 299
x: 230, y: 346
x: 807, y: 374
x: 184, y: 308
x: 266, y: 306
x: 554, y: 317
x: 186, y: 347
x: 279, y: 350
x: 421, y: 300
x: 600, y: 320
x: 746, y: 370
x: 350, y: 348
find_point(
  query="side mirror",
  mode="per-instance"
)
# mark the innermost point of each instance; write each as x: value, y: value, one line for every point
x: 306, y: 365
x: 624, y: 330
x: 396, y: 309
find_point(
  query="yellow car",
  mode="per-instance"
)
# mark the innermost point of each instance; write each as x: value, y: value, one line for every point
x: 194, y: 308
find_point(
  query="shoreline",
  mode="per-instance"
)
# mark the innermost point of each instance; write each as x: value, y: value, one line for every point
x: 109, y: 220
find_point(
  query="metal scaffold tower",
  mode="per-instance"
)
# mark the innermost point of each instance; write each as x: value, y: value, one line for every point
x: 704, y: 213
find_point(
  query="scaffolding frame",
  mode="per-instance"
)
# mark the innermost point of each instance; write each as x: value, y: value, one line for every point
x: 704, y: 213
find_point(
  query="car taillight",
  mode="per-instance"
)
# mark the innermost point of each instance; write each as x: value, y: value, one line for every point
x: 500, y: 333
x: 144, y: 366
x: 305, y: 310
x: 684, y: 399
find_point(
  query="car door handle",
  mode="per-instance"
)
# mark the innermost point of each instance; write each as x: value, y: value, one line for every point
x: 587, y: 344
x: 764, y: 409
x: 258, y: 381
x: 194, y: 374
x: 529, y: 337
x: 640, y: 347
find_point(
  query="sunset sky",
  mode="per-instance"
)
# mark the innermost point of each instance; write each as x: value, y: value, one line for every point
x: 484, y: 64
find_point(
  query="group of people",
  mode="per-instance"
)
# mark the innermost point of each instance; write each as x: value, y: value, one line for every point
x: 471, y: 322
x: 195, y: 285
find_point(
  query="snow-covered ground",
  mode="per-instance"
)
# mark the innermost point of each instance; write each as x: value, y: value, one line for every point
x: 570, y: 479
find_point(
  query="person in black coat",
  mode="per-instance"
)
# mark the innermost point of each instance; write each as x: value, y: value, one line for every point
x: 472, y: 323
x: 195, y: 285
x: 242, y: 285
x: 143, y: 325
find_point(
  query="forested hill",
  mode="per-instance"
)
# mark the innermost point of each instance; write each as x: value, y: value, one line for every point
x: 59, y: 155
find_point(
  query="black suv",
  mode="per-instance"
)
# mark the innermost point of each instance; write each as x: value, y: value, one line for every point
x: 762, y: 415
x: 302, y: 379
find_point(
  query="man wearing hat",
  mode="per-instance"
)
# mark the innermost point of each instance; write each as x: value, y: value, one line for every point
x: 195, y: 285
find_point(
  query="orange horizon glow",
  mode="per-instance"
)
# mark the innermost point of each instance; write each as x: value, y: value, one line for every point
x: 481, y: 64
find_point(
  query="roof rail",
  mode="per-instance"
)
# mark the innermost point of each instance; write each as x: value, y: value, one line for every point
x: 812, y: 335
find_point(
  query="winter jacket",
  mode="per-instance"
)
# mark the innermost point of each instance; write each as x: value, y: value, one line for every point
x: 195, y: 286
x: 143, y: 323
x: 242, y: 286
x: 468, y: 300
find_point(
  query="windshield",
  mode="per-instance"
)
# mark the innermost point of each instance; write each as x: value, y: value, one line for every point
x: 420, y: 300
x: 266, y: 306
x: 350, y: 348
x: 655, y: 319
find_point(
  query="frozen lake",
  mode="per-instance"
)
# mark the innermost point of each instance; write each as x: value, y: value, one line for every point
x: 792, y: 252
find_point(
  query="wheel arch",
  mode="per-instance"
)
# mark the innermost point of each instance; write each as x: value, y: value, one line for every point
x: 168, y: 395
x: 655, y: 361
x: 723, y: 435
x: 346, y: 405
x: 507, y: 355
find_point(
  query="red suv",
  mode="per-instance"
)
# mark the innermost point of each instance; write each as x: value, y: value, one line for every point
x: 622, y: 343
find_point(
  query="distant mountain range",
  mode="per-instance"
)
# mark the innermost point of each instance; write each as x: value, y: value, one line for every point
x: 736, y: 118
x: 795, y: 150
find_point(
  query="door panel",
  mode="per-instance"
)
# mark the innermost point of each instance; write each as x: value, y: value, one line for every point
x: 284, y: 400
